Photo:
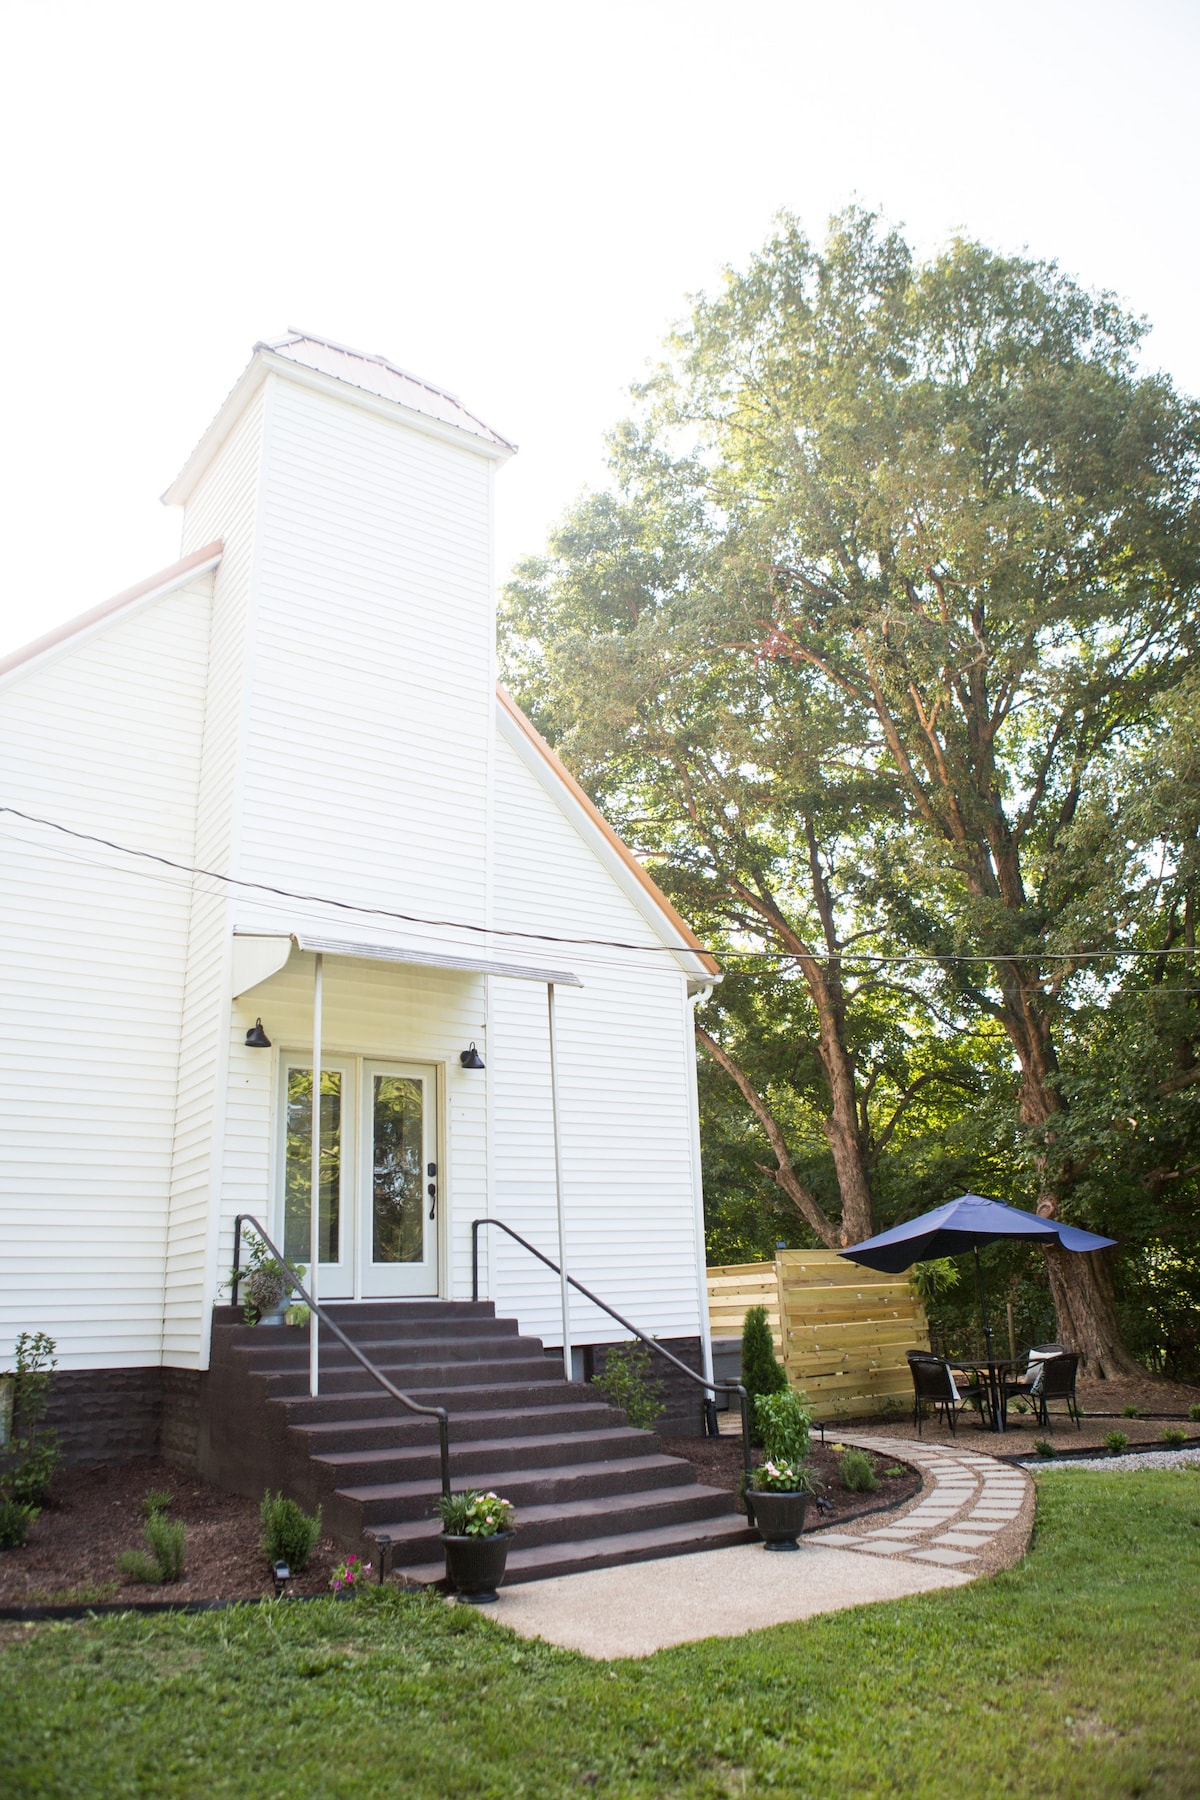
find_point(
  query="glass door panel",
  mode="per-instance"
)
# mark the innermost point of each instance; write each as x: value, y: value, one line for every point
x: 400, y: 1168
x: 336, y: 1268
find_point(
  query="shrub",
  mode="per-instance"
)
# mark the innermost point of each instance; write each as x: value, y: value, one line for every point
x: 891, y: 1407
x: 1194, y: 1414
x: 289, y: 1533
x: 626, y: 1381
x: 761, y: 1373
x: 156, y: 1500
x: 32, y: 1457
x: 783, y: 1422
x: 15, y: 1520
x: 856, y: 1472
x: 1043, y: 1447
x: 1129, y: 1412
x: 1174, y: 1436
x: 165, y: 1556
x: 471, y: 1514
x: 1116, y: 1442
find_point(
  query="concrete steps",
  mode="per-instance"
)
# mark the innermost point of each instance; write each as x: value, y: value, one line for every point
x: 590, y: 1490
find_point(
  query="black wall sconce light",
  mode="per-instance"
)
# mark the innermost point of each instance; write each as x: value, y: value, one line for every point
x: 257, y: 1038
x: 471, y: 1059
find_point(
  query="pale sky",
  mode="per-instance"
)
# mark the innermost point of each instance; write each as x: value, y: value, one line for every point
x: 513, y: 200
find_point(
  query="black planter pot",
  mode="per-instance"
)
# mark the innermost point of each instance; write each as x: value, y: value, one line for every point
x: 780, y: 1518
x: 475, y: 1565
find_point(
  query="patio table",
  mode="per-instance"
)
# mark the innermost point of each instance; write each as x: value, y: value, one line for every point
x: 992, y: 1368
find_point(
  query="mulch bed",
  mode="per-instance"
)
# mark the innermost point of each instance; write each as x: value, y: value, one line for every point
x: 94, y: 1514
x: 718, y: 1463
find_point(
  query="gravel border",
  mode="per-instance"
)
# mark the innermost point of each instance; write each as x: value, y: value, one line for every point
x: 1138, y: 1459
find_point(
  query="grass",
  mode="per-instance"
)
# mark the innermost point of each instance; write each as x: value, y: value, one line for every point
x: 1077, y: 1674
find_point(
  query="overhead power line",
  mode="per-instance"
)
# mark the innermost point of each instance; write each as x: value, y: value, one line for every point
x: 870, y: 957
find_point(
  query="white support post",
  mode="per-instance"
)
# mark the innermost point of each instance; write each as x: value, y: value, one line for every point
x: 558, y: 1186
x: 314, y: 1223
x: 689, y: 1014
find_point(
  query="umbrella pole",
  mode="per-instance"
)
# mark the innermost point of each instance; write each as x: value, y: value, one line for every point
x: 993, y: 1378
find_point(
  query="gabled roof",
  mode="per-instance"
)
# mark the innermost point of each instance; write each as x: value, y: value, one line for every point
x: 322, y: 364
x: 155, y: 587
x: 376, y: 375
x: 677, y: 924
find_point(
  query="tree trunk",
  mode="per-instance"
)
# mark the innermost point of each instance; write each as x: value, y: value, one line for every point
x: 1080, y: 1283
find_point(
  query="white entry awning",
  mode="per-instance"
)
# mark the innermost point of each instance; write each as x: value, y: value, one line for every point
x: 262, y: 954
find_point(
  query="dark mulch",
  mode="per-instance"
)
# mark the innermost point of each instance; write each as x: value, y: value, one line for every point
x: 96, y: 1513
x: 718, y: 1463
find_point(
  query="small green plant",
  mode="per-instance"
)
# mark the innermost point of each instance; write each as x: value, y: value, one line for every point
x: 1129, y: 1412
x: 165, y: 1555
x: 29, y: 1461
x: 856, y: 1472
x: 891, y: 1407
x: 1043, y: 1447
x: 894, y: 1473
x: 1116, y: 1442
x: 1194, y: 1414
x: 782, y: 1478
x: 761, y: 1373
x: 289, y: 1533
x: 1174, y: 1437
x: 1020, y: 1406
x: 626, y: 1382
x: 783, y: 1422
x: 298, y: 1314
x: 471, y: 1514
x: 15, y: 1519
x: 156, y: 1500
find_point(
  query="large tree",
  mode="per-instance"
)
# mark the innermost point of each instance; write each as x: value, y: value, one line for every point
x: 942, y: 496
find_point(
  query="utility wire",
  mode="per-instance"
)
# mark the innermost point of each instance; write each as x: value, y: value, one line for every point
x: 874, y: 958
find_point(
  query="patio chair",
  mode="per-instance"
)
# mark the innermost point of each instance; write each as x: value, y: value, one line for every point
x: 1028, y: 1384
x: 1058, y: 1383
x: 933, y: 1381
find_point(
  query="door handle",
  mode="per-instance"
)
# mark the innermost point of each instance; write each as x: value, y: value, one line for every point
x: 431, y: 1190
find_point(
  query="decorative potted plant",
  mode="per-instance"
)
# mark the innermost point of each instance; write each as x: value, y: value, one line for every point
x: 779, y: 1496
x: 265, y: 1284
x: 476, y: 1530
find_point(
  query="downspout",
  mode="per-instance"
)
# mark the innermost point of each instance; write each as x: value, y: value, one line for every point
x: 699, y: 990
x: 314, y: 1222
x: 558, y: 1186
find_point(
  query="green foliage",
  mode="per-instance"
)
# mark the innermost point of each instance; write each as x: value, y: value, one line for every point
x: 265, y: 1282
x: 1065, y: 1646
x: 156, y: 1500
x: 1044, y: 1448
x: 1129, y: 1412
x: 15, y: 1519
x: 771, y: 1477
x: 761, y: 1373
x: 29, y: 1461
x: 627, y: 1381
x: 928, y: 1281
x: 289, y: 1533
x: 1194, y: 1414
x: 856, y: 1472
x: 165, y: 1556
x: 783, y: 1423
x: 472, y: 1514
x: 1116, y: 1442
x: 1174, y: 1437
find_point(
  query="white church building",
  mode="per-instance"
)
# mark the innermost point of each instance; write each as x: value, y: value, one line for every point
x: 274, y: 796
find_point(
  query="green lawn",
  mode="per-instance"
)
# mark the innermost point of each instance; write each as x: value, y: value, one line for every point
x: 1077, y: 1673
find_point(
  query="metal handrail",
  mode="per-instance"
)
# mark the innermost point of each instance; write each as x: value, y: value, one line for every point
x: 318, y: 1311
x: 715, y: 1387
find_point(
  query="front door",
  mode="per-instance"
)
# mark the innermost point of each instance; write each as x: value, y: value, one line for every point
x: 399, y: 1180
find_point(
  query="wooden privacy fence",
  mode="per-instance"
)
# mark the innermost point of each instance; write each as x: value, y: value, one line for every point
x: 840, y: 1330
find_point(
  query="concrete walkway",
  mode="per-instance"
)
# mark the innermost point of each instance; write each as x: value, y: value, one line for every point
x: 972, y: 1515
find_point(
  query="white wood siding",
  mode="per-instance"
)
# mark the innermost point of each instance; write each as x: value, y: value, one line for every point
x: 623, y: 1040
x: 224, y: 506
x: 370, y: 713
x: 104, y: 737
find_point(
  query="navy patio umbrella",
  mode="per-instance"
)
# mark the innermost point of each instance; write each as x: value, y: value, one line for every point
x: 965, y: 1224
